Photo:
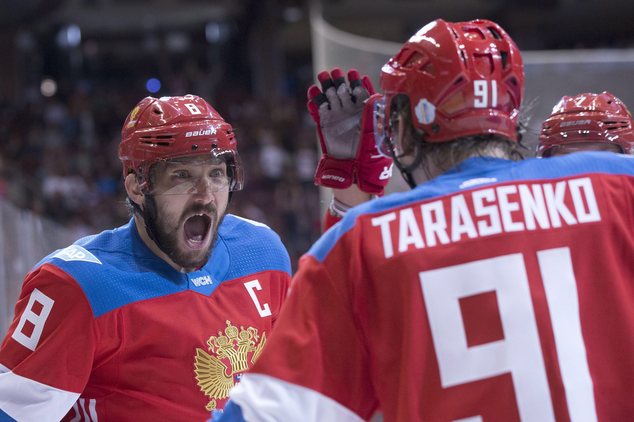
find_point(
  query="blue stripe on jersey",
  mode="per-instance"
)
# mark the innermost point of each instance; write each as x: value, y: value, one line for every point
x: 253, y: 247
x: 477, y: 172
x: 231, y: 413
x: 115, y: 267
x: 5, y: 418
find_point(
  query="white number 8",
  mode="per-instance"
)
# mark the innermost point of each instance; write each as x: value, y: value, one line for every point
x: 193, y: 108
x: 38, y: 320
x: 519, y: 352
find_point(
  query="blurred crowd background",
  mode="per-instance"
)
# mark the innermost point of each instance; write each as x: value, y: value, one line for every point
x: 59, y: 155
x: 73, y: 69
x: 74, y: 84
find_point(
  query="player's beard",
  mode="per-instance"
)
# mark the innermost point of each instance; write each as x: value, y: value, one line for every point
x: 164, y: 231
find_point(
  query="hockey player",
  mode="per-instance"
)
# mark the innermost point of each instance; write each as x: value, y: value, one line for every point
x: 494, y: 290
x: 157, y: 319
x: 587, y: 122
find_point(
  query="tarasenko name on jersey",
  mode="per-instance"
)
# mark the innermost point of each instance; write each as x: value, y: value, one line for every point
x: 115, y: 268
x: 489, y: 211
x: 501, y: 206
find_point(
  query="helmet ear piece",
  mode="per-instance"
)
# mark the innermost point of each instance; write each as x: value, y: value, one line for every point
x: 401, y: 107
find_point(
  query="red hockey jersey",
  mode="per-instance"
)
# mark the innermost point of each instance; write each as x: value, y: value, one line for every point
x: 500, y: 291
x: 105, y: 330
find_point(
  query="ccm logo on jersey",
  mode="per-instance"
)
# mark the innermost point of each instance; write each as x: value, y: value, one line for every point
x: 76, y: 253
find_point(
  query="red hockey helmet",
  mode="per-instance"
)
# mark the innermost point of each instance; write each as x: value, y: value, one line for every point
x: 587, y: 121
x: 462, y: 79
x: 173, y: 127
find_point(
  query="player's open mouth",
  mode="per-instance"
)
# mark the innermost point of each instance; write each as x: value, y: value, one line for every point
x: 196, y: 230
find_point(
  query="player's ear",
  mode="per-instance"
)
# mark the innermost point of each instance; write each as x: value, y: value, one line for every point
x: 133, y: 189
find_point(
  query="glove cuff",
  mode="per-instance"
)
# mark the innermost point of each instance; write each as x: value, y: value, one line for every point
x: 373, y: 170
x: 372, y: 177
x: 334, y: 173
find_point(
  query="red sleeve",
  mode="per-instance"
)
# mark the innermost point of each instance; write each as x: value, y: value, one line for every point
x: 316, y: 342
x: 52, y: 337
x: 279, y: 287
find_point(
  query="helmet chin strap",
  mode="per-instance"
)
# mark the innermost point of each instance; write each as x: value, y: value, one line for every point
x: 406, y: 171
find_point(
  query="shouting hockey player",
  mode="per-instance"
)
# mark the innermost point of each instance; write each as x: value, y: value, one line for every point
x: 157, y: 319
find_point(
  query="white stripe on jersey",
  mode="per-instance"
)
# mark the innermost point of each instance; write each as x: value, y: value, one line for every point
x: 27, y: 400
x: 264, y: 398
x: 83, y: 412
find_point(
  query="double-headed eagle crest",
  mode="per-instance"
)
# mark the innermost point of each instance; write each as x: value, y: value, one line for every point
x: 218, y: 372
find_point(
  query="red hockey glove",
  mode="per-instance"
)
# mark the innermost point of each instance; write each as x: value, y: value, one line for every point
x: 343, y: 113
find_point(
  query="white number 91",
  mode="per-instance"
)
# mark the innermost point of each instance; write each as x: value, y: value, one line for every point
x: 485, y: 97
x: 519, y: 353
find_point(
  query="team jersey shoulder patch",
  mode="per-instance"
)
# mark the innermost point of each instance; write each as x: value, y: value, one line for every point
x: 76, y: 253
